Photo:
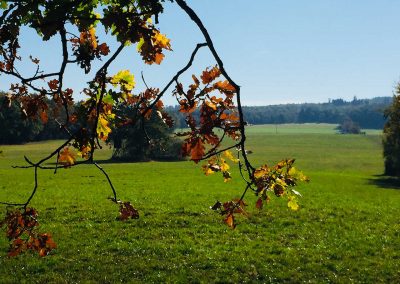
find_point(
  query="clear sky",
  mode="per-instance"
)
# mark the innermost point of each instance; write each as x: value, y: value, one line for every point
x: 279, y: 51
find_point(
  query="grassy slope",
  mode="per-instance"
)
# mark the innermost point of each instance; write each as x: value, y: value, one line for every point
x: 347, y: 229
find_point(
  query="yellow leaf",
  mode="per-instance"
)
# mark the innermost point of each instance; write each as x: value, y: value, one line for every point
x: 162, y: 41
x: 66, y: 157
x: 292, y: 203
x: 260, y: 172
x: 103, y: 129
x: 228, y: 154
x: 207, y: 170
x: 224, y: 166
x: 125, y: 79
x: 93, y: 40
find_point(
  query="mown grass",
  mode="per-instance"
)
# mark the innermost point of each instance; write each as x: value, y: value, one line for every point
x: 347, y: 229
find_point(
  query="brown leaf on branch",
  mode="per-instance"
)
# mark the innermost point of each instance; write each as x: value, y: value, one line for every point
x: 230, y: 221
x: 210, y: 75
x: 127, y: 211
x: 53, y: 84
x: 197, y: 150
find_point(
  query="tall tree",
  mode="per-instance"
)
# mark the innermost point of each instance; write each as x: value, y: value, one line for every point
x: 214, y: 94
x: 391, y: 137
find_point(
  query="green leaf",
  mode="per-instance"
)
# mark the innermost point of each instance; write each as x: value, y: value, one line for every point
x: 125, y: 79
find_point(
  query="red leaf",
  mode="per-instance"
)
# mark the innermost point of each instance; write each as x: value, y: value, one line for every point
x: 44, y: 117
x: 259, y: 203
x: 126, y: 211
x: 53, y: 84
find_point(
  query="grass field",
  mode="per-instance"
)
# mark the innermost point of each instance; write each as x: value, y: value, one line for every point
x: 347, y: 230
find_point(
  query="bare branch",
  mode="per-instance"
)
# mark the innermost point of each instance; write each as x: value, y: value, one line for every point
x: 109, y: 181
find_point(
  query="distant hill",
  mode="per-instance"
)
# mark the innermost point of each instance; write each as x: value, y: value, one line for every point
x: 368, y: 113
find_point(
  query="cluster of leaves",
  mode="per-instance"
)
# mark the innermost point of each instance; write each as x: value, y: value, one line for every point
x: 21, y: 231
x: 90, y: 125
x: 214, y: 99
x: 278, y: 180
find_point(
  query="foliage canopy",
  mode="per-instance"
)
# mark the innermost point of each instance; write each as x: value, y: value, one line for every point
x: 213, y: 93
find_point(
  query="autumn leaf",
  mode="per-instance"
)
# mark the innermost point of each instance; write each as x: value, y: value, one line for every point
x: 17, y: 246
x: 209, y: 75
x: 292, y: 203
x: 162, y: 41
x: 44, y: 117
x: 230, y: 221
x: 66, y: 158
x: 103, y: 129
x: 207, y: 170
x: 211, y: 105
x: 186, y: 107
x: 53, y: 84
x: 228, y: 154
x: 89, y: 37
x: 259, y: 203
x: 159, y: 104
x: 34, y: 60
x: 224, y: 87
x: 127, y: 211
x: 158, y: 58
x: 197, y: 150
x: 125, y: 79
x: 227, y: 176
x: 224, y: 165
x: 103, y: 49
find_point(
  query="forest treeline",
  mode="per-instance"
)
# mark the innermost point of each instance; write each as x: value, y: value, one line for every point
x: 367, y: 113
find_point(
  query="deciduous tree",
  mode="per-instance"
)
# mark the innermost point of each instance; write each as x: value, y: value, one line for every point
x: 213, y: 93
x: 391, y: 137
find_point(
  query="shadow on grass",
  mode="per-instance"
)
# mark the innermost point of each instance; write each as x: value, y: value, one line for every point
x: 121, y: 161
x: 385, y: 181
x: 118, y: 161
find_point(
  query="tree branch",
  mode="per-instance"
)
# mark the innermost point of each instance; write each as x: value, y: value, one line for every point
x: 189, y: 11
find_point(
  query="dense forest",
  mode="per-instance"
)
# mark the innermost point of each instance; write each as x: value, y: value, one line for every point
x: 367, y: 113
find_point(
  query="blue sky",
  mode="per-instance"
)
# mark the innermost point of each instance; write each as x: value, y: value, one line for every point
x: 279, y: 51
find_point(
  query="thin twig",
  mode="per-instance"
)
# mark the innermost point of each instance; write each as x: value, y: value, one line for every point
x: 109, y: 181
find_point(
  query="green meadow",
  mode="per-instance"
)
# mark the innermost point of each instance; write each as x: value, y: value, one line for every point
x: 346, y: 230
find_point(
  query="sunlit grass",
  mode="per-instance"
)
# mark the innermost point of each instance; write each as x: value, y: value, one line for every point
x: 347, y: 229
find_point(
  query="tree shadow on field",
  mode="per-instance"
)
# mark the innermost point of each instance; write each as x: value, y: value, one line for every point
x: 385, y: 181
x: 119, y: 161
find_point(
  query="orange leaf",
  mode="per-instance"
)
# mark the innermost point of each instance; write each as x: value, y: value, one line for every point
x: 209, y: 75
x: 66, y: 157
x: 187, y: 108
x: 158, y: 58
x: 230, y: 221
x: 44, y: 117
x: 197, y: 150
x: 159, y: 105
x: 211, y: 105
